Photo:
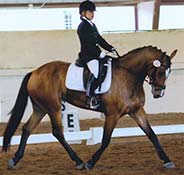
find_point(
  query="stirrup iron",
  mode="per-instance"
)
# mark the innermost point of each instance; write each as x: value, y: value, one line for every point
x: 93, y: 104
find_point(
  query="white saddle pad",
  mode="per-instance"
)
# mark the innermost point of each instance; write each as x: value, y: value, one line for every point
x: 74, y: 79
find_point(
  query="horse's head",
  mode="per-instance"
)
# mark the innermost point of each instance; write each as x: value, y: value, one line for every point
x: 159, y: 72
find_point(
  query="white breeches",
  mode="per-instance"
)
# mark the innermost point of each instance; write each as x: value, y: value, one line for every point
x: 93, y: 66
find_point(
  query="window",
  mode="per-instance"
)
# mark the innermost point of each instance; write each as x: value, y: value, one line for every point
x: 106, y: 18
x: 171, y: 17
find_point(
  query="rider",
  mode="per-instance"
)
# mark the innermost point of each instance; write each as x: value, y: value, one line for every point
x: 90, y: 52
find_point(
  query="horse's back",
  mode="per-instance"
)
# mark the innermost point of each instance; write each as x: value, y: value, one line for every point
x: 55, y: 66
x: 50, y: 71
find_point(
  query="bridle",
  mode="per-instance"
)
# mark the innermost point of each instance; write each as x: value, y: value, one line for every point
x: 156, y: 64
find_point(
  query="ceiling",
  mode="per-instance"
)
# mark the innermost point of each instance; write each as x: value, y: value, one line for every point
x: 75, y: 3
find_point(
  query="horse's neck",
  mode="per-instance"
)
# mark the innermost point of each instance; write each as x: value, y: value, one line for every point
x: 137, y: 64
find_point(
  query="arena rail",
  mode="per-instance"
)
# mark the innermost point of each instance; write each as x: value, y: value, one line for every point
x: 94, y: 135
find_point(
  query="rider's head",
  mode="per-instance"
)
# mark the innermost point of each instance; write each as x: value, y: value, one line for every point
x: 87, y: 9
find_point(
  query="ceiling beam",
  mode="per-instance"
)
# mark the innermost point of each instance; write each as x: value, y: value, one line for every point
x: 64, y: 3
x: 172, y: 2
x: 156, y: 15
x: 75, y: 3
x: 136, y: 18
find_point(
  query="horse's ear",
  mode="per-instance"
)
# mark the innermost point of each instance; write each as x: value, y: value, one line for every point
x: 173, y: 53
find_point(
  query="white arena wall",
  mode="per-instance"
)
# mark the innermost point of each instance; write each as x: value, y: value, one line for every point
x: 21, y: 52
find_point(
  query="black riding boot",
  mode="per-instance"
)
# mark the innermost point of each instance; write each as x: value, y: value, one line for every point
x: 92, y: 84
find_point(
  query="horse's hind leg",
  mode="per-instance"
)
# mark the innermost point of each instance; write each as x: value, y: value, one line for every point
x: 141, y: 120
x: 58, y: 133
x: 28, y: 127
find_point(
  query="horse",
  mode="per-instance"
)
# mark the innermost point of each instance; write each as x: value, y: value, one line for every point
x: 45, y: 86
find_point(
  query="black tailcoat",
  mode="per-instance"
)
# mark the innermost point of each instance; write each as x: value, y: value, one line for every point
x: 90, y: 40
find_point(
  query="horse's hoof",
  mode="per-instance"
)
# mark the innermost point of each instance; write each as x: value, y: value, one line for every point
x: 88, y: 166
x: 81, y: 166
x: 11, y: 164
x: 169, y: 165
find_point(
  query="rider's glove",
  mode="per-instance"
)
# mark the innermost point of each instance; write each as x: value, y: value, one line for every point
x: 102, y: 54
x: 114, y: 52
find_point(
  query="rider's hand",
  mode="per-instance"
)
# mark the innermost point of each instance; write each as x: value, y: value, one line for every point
x: 114, y: 52
x: 102, y: 54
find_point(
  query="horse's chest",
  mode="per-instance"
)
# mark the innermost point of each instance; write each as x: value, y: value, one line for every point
x: 134, y: 98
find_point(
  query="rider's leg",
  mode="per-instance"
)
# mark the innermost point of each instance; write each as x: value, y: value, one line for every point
x: 93, y: 66
x: 91, y: 86
x: 92, y: 83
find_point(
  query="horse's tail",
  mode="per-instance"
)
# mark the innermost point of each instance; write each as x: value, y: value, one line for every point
x: 16, y: 113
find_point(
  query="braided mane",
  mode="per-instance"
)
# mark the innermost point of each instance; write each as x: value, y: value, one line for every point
x: 139, y: 49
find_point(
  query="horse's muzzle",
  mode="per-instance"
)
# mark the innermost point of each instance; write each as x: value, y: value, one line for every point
x: 158, y: 91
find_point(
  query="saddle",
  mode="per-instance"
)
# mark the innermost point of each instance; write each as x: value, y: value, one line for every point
x: 103, y: 67
x: 77, y: 77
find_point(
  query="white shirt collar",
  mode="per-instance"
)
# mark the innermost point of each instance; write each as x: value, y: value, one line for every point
x: 89, y: 21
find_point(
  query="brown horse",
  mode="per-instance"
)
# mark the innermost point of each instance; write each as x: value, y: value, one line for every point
x: 46, y: 88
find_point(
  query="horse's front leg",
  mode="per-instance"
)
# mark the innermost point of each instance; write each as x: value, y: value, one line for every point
x: 110, y: 123
x: 141, y: 119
